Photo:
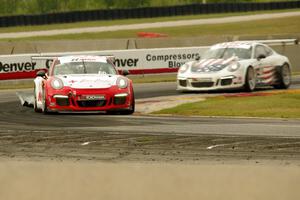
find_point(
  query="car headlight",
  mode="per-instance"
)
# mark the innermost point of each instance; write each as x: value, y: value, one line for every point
x: 122, y: 83
x: 183, y: 68
x: 234, y: 67
x: 57, y: 84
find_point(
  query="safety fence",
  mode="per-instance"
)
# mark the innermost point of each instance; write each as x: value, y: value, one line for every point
x: 147, y: 12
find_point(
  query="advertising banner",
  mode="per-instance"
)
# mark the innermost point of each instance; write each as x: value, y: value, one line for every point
x: 137, y: 61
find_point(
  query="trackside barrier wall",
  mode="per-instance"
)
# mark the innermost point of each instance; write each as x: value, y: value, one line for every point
x: 143, y: 61
x: 148, y: 12
x: 137, y: 61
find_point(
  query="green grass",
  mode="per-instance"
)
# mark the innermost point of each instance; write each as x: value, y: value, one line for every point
x: 129, y: 21
x: 281, y: 105
x: 285, y: 26
x: 153, y: 78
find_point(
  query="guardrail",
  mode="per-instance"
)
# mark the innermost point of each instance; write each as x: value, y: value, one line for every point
x: 147, y: 12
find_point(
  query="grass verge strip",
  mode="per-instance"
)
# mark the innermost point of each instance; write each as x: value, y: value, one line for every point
x: 280, y: 104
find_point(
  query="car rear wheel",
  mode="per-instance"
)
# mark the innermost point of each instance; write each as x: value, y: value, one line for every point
x: 283, y: 74
x: 250, y: 80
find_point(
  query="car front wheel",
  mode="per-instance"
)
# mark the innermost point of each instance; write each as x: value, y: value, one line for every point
x: 44, y: 107
x: 250, y: 80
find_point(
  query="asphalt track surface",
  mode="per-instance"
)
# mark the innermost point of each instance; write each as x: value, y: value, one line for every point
x: 25, y: 134
x: 141, y: 26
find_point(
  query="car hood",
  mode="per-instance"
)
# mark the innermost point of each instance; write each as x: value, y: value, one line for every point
x: 89, y: 81
x: 212, y: 65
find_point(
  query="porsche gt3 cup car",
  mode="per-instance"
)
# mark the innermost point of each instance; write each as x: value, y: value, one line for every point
x: 239, y: 64
x: 83, y: 83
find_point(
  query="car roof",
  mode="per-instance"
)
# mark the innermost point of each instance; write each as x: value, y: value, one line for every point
x: 235, y: 44
x: 80, y: 58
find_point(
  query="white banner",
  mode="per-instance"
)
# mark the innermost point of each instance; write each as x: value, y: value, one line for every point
x: 139, y: 60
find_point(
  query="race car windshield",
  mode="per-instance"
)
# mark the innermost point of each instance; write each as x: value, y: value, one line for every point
x: 225, y: 53
x: 84, y: 68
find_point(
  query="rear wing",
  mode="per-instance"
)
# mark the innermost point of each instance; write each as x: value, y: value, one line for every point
x: 44, y: 62
x: 34, y: 58
x: 280, y: 42
x: 277, y: 41
x: 110, y: 58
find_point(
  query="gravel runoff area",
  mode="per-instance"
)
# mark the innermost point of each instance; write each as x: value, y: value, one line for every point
x: 115, y: 181
x: 149, y: 25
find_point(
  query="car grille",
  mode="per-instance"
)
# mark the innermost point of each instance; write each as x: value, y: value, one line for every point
x: 226, y: 82
x: 91, y: 103
x: 62, y: 101
x: 202, y: 84
x: 119, y: 100
x: 183, y: 83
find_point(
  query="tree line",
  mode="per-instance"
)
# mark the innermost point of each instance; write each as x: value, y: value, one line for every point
x: 15, y: 7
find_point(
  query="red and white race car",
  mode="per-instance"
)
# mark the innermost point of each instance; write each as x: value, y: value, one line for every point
x: 83, y: 83
x: 239, y: 64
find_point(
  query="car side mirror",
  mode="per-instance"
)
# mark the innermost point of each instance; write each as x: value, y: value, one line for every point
x: 125, y: 72
x: 261, y: 56
x: 41, y: 73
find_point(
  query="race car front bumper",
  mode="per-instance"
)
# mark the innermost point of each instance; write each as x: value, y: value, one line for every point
x: 90, y: 100
x: 209, y: 83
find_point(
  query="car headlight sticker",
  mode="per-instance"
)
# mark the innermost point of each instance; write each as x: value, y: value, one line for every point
x: 122, y: 83
x: 234, y: 67
x: 57, y: 84
x: 183, y: 68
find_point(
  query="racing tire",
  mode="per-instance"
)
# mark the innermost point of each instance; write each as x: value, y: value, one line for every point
x: 36, y: 109
x: 250, y: 80
x: 45, y: 108
x: 283, y: 73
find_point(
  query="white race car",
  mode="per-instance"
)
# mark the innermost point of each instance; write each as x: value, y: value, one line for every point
x: 239, y: 64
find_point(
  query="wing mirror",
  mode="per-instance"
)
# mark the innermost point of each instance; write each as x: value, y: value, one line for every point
x: 125, y: 72
x: 261, y: 56
x: 41, y: 73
